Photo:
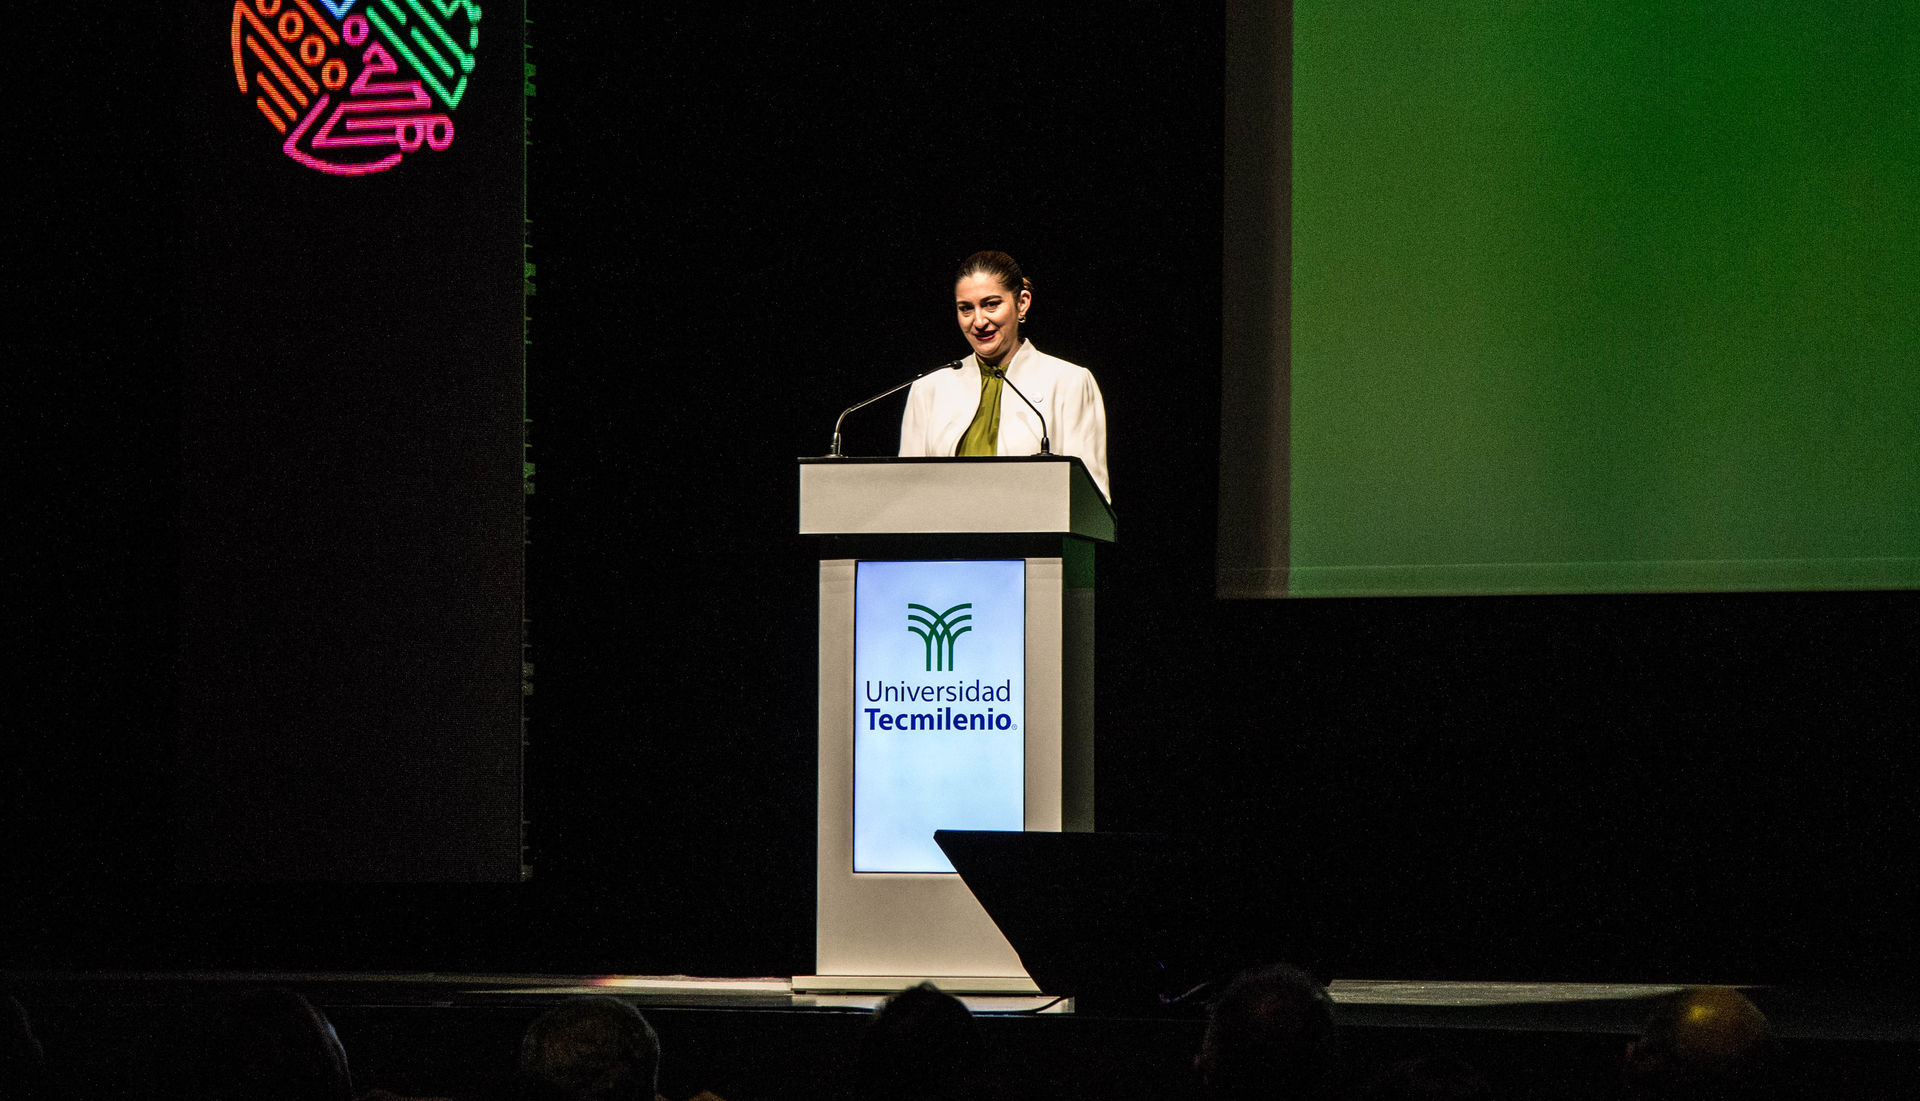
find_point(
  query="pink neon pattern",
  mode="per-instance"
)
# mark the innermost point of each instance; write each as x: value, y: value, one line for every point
x: 340, y: 99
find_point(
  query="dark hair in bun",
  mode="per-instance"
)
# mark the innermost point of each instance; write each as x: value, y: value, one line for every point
x: 1004, y: 269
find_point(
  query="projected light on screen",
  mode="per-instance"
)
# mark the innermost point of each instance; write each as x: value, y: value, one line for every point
x: 353, y: 92
x: 1574, y: 299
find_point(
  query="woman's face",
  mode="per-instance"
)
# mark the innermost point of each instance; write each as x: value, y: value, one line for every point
x: 989, y: 316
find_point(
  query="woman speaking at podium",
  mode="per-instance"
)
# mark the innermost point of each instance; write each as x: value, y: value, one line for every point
x: 966, y: 411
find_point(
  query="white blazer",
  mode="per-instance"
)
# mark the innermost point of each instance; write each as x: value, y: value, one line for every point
x: 940, y: 406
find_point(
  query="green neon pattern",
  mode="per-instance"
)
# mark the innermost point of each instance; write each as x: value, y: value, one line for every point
x: 422, y: 37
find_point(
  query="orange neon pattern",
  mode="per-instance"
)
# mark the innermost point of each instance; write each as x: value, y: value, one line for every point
x: 354, y: 86
x: 325, y: 27
x: 278, y: 124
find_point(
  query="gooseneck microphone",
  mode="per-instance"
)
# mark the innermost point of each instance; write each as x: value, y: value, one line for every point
x: 1001, y: 374
x: 835, y: 453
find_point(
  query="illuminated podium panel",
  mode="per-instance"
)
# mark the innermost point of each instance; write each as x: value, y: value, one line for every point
x: 956, y: 692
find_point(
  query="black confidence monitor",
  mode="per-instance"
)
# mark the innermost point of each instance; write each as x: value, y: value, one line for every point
x: 1119, y: 921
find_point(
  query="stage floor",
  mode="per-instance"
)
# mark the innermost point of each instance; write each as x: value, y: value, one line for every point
x: 1619, y: 1008
x: 443, y: 1034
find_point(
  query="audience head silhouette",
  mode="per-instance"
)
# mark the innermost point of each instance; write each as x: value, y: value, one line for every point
x: 1705, y: 1042
x: 1269, y: 1035
x: 591, y: 1048
x: 276, y: 1044
x: 922, y: 1043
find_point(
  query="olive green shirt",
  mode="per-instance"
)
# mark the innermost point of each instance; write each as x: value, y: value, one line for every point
x: 982, y: 437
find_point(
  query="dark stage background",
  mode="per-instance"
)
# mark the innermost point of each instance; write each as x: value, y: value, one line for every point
x: 351, y: 485
x: 744, y: 222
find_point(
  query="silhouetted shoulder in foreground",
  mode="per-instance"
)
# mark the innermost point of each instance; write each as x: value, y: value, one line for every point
x: 275, y: 1043
x: 1428, y: 1078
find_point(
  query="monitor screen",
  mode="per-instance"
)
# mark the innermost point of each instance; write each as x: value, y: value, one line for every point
x: 940, y: 690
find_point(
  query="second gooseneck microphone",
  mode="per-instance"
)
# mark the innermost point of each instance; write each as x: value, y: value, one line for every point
x: 1001, y: 374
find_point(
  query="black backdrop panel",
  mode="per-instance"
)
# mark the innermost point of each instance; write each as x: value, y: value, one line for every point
x: 753, y: 226
x: 352, y: 504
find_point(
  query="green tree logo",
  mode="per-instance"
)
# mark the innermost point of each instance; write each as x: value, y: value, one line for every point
x: 939, y: 630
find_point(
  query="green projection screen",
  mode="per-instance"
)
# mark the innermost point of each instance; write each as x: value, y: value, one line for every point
x: 1574, y: 298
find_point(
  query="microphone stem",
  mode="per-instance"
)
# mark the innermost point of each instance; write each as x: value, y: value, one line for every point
x: 835, y: 453
x: 1001, y: 374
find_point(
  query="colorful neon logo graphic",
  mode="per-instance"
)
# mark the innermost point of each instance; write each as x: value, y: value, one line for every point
x: 354, y: 92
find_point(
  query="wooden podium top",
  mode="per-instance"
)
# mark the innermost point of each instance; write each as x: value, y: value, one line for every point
x: 1051, y: 494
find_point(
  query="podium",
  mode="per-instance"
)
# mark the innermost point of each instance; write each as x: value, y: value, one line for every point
x: 956, y: 691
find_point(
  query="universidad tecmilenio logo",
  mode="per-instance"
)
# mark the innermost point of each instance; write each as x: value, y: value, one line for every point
x: 940, y: 631
x: 938, y: 649
x: 353, y: 87
x: 939, y: 634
